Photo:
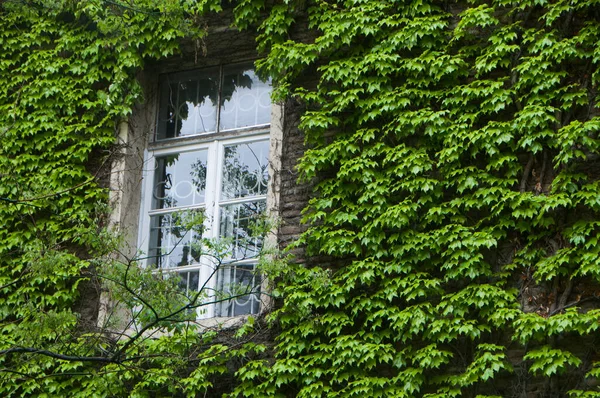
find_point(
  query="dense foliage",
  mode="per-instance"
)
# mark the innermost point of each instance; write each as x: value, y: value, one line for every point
x: 67, y: 79
x: 455, y: 150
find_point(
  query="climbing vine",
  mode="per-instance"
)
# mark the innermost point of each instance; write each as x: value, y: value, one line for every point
x: 454, y: 147
x: 454, y: 151
x: 67, y: 80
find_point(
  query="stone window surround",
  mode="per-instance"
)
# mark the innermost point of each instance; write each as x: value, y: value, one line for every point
x: 126, y: 182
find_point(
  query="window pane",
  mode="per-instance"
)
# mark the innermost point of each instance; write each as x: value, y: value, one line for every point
x: 242, y: 284
x: 241, y: 225
x: 188, y: 104
x: 180, y: 180
x: 246, y: 100
x: 187, y: 286
x: 188, y: 282
x: 245, y: 170
x: 171, y: 245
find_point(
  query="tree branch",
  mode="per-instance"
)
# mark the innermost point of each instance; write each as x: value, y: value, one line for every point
x: 55, y: 355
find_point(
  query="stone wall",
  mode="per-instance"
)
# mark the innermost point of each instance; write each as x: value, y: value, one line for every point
x: 294, y: 195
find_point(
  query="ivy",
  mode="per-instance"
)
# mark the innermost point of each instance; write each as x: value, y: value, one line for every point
x: 67, y: 80
x: 452, y: 147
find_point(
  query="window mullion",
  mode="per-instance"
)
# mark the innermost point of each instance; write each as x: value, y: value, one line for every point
x: 216, y: 214
x: 212, y: 178
x: 218, y: 185
x: 148, y: 179
x: 219, y: 96
x: 176, y: 107
x: 207, y: 263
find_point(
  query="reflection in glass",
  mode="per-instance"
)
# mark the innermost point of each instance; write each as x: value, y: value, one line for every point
x: 189, y: 101
x: 200, y: 102
x: 180, y: 180
x: 188, y: 104
x: 188, y: 282
x: 246, y: 100
x: 245, y: 170
x: 171, y: 245
x: 242, y: 284
x: 241, y: 224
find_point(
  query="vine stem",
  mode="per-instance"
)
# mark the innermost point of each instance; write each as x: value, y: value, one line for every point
x: 526, y: 173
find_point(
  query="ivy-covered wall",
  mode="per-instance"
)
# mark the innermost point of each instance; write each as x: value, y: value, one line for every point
x: 453, y: 152
x: 67, y: 81
x: 455, y: 149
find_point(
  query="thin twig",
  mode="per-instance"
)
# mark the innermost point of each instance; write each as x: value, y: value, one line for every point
x: 572, y: 304
x: 55, y: 355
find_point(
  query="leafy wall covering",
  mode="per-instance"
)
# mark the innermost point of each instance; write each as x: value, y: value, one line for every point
x: 454, y: 148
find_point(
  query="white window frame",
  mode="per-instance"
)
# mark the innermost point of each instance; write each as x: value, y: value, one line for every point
x: 214, y: 143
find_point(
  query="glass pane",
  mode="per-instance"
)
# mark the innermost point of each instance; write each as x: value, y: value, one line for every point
x: 180, y: 180
x: 246, y: 100
x: 188, y: 282
x: 241, y: 225
x: 245, y: 170
x: 188, y: 104
x: 241, y: 284
x: 171, y: 245
x: 183, y: 281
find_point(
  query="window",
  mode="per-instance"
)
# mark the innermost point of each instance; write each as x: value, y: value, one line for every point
x: 209, y: 156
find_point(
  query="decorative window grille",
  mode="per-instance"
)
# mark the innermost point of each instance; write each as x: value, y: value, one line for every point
x: 209, y: 156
